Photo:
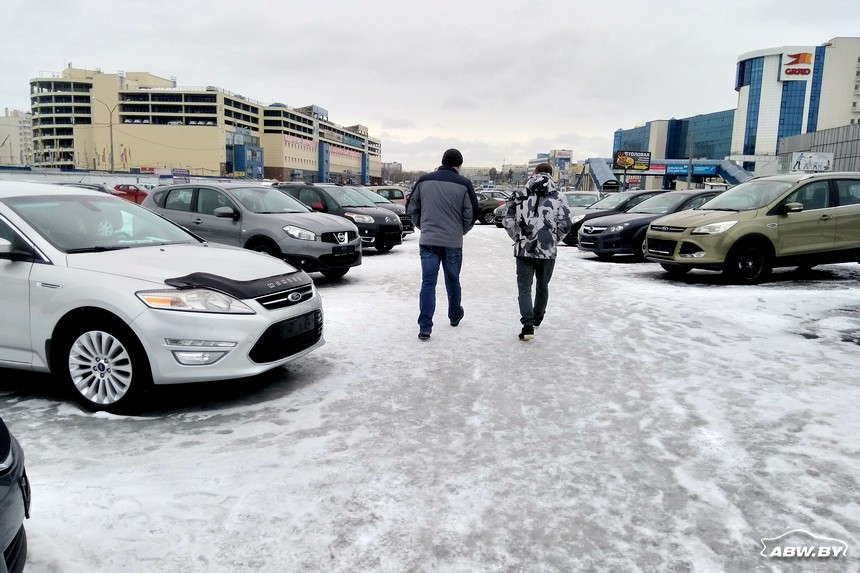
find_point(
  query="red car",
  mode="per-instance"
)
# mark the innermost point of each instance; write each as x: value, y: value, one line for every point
x: 133, y: 193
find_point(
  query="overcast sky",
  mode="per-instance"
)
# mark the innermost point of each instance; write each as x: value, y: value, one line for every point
x: 500, y: 80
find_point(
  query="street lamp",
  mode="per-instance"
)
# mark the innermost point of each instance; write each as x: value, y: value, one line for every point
x: 110, y: 125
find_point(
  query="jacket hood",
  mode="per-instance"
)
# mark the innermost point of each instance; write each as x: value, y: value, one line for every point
x: 157, y: 263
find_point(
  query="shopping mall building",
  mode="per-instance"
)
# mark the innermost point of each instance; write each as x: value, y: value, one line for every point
x: 136, y: 122
x: 782, y: 93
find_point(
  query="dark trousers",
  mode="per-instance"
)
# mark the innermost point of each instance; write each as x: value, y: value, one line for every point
x: 528, y: 271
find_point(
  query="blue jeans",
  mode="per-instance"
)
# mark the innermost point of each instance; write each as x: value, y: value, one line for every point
x: 451, y: 259
x: 529, y: 269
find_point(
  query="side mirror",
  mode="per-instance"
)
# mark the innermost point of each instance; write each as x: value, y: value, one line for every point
x: 790, y: 208
x: 317, y: 206
x: 226, y: 213
x: 10, y: 254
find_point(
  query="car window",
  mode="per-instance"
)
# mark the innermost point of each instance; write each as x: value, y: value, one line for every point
x: 814, y: 195
x: 310, y: 196
x: 698, y: 201
x: 179, y: 199
x: 262, y: 199
x: 849, y: 191
x: 638, y: 199
x: 210, y: 199
x: 395, y: 194
x: 8, y: 233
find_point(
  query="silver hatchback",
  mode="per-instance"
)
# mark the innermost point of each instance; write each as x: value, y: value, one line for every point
x: 111, y: 298
x: 261, y: 218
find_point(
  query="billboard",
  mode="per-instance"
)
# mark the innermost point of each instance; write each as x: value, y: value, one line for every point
x: 810, y: 161
x: 637, y: 160
x: 699, y: 169
x: 796, y: 65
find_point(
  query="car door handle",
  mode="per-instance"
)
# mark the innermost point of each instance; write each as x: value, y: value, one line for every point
x: 825, y: 217
x: 197, y: 221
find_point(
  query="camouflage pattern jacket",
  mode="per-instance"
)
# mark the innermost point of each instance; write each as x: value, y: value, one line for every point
x: 537, y: 218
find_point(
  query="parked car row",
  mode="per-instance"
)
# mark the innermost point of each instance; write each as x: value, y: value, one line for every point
x: 14, y: 503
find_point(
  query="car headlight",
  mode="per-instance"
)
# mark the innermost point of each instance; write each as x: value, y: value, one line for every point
x: 617, y: 228
x: 359, y: 218
x: 299, y: 233
x: 714, y: 228
x: 577, y: 218
x: 193, y: 300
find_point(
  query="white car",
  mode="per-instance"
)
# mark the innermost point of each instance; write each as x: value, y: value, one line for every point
x: 110, y: 297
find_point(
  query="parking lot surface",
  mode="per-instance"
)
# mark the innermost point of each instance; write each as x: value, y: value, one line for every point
x: 652, y: 425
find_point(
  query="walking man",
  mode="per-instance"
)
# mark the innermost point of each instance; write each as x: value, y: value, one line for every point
x: 444, y: 207
x: 537, y: 218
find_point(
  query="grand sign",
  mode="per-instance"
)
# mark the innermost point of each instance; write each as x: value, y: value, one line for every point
x: 795, y: 66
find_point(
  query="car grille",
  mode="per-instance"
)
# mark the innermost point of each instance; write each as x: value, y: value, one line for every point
x: 406, y: 221
x: 661, y: 247
x: 16, y: 554
x: 286, y: 297
x: 591, y: 230
x: 332, y: 237
x: 390, y: 231
x: 288, y: 337
x: 667, y: 229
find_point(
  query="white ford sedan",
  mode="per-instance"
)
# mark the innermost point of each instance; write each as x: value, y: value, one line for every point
x: 112, y: 298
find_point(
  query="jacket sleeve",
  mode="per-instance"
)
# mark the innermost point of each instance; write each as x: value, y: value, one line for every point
x: 563, y: 217
x: 413, y: 207
x: 470, y: 191
x: 509, y: 222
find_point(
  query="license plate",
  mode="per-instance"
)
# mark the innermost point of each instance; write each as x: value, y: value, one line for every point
x: 343, y: 250
x: 297, y: 325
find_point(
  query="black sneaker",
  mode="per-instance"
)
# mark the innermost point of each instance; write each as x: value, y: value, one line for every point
x: 456, y: 322
x: 424, y: 335
x: 527, y: 333
x: 538, y: 320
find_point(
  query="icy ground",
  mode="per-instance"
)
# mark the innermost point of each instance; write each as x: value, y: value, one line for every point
x: 652, y: 425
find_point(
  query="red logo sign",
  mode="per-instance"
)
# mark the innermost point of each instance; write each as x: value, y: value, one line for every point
x: 798, y: 72
x: 801, y: 58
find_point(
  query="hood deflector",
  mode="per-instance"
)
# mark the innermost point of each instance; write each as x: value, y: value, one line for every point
x: 242, y: 289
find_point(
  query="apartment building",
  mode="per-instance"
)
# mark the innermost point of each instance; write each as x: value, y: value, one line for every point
x: 16, y: 138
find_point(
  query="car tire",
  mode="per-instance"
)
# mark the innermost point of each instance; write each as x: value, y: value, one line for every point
x: 334, y: 273
x: 639, y: 248
x: 748, y: 262
x: 270, y: 250
x: 103, y: 364
x: 675, y: 271
x: 488, y: 218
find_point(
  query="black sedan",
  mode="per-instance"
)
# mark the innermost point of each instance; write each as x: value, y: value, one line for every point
x: 609, y: 205
x: 624, y: 233
x: 14, y: 502
x: 381, y: 201
x: 486, y: 206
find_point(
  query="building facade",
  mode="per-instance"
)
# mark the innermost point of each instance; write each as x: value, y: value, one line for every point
x: 843, y: 142
x: 16, y: 138
x: 137, y: 122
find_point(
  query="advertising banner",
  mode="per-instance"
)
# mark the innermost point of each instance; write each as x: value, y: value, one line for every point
x: 637, y: 160
x: 796, y: 65
x: 809, y: 161
x: 697, y: 169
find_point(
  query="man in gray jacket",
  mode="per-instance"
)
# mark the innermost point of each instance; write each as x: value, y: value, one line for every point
x: 444, y: 207
x: 537, y: 218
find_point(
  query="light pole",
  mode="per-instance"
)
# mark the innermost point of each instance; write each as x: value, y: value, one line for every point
x: 110, y: 126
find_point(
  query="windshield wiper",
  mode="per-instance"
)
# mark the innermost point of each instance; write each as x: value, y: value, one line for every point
x: 98, y: 249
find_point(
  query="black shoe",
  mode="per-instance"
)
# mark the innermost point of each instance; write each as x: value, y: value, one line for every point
x: 527, y: 333
x: 456, y: 322
x: 424, y: 335
x: 538, y: 320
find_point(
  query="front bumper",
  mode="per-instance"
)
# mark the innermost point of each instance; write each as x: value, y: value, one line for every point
x: 608, y: 243
x: 325, y: 253
x: 684, y: 249
x: 380, y: 235
x: 14, y: 507
x: 263, y: 341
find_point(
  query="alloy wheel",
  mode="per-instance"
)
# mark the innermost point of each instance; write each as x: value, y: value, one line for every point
x: 100, y: 367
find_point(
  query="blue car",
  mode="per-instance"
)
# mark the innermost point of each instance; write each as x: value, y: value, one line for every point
x: 14, y: 502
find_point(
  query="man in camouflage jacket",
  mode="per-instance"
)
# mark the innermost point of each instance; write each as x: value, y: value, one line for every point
x: 537, y: 219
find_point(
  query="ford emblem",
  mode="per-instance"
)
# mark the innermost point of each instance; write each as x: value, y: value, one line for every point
x: 295, y: 297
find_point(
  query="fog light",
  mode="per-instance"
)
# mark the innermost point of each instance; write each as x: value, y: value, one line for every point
x: 696, y: 255
x: 197, y: 358
x: 192, y: 342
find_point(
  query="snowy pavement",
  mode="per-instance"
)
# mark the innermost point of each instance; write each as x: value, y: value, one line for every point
x: 652, y: 425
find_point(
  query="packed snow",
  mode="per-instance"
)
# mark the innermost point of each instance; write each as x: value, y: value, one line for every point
x: 651, y: 425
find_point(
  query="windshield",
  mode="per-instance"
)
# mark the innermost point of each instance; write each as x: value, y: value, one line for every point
x: 76, y: 224
x: 348, y: 197
x: 658, y: 204
x: 610, y: 202
x: 263, y: 199
x: 748, y: 196
x: 371, y: 196
x: 580, y: 199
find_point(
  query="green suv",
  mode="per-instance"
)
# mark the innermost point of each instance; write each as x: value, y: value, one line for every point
x: 780, y: 221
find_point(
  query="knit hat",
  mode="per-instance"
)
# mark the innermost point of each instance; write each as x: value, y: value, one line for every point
x: 452, y: 158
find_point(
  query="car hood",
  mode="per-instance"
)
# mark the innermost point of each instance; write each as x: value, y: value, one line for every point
x: 318, y: 222
x: 621, y: 218
x: 157, y: 263
x: 377, y: 213
x: 699, y: 217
